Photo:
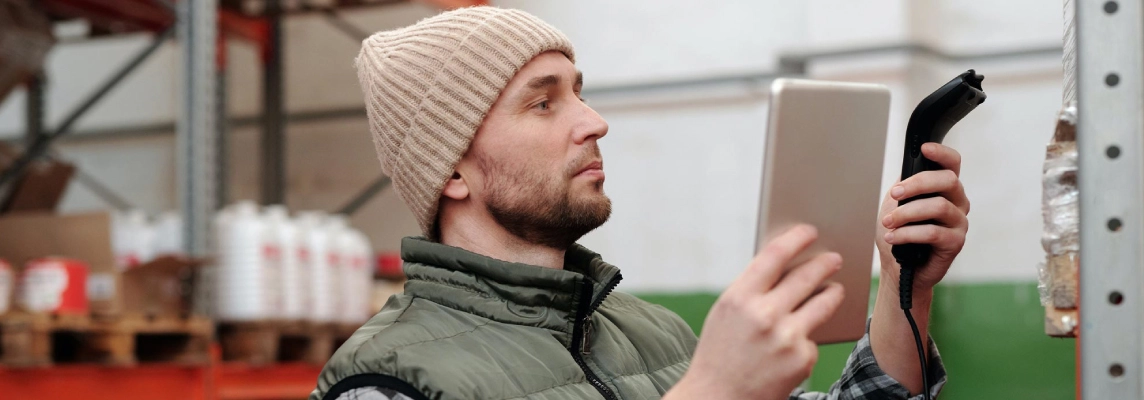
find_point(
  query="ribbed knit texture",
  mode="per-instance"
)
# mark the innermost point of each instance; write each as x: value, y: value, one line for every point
x: 428, y: 87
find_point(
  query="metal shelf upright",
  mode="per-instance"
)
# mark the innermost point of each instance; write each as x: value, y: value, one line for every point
x: 1110, y: 140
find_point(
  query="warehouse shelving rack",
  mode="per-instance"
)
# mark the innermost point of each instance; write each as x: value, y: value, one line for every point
x: 201, y: 27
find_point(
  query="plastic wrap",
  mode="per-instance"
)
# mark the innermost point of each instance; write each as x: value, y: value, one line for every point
x: 1060, y: 201
x: 1060, y: 238
x: 1058, y: 275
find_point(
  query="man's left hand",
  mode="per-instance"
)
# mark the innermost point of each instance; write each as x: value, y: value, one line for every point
x: 948, y: 210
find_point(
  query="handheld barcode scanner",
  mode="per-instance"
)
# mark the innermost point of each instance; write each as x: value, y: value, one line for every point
x: 930, y: 122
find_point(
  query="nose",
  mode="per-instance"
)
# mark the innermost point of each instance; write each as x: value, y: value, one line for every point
x: 589, y: 125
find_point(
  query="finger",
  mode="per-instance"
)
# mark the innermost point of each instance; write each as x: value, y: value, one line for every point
x: 802, y: 281
x: 939, y: 236
x: 768, y: 265
x: 818, y: 309
x: 934, y: 208
x: 944, y: 155
x: 943, y: 182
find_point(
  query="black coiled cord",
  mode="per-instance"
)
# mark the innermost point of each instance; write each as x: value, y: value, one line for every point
x: 906, y: 298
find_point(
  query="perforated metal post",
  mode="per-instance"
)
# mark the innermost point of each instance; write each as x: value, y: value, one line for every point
x: 1110, y: 85
x: 197, y: 125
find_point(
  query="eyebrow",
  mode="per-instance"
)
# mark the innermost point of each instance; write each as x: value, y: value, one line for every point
x: 542, y: 82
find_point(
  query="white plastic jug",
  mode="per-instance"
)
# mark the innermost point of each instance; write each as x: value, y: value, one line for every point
x: 341, y: 254
x: 317, y: 266
x: 132, y: 238
x: 286, y: 264
x: 242, y: 286
x: 360, y: 272
x: 168, y: 234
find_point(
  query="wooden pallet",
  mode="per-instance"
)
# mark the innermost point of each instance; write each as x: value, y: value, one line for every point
x: 44, y: 340
x: 268, y: 342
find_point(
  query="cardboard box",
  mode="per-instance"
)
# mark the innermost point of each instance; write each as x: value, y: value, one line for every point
x: 163, y: 287
x: 87, y: 237
x: 39, y: 188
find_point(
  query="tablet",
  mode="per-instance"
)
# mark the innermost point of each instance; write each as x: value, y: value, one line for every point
x: 823, y: 166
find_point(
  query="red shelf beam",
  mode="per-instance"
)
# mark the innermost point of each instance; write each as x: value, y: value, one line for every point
x: 214, y: 381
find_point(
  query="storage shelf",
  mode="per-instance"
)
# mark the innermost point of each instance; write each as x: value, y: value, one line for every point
x: 214, y: 381
x: 282, y: 381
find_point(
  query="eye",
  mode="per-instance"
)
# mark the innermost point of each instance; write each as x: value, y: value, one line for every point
x: 542, y: 106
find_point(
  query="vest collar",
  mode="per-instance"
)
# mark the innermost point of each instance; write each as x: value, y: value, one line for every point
x: 513, y: 293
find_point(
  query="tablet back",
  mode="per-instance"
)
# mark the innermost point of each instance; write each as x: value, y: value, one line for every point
x: 823, y: 166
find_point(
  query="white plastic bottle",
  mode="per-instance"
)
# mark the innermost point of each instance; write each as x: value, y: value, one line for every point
x: 361, y: 265
x: 355, y: 273
x: 121, y: 241
x: 352, y: 264
x: 286, y: 267
x: 168, y: 230
x: 144, y: 241
x: 317, y: 267
x: 340, y: 254
x: 7, y: 286
x: 131, y: 238
x: 241, y: 292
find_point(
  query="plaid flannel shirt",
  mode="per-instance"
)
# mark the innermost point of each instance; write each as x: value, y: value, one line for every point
x: 863, y: 379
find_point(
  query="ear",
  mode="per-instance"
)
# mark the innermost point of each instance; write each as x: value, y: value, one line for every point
x: 456, y: 188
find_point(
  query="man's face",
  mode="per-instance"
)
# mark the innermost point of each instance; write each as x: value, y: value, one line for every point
x: 534, y: 163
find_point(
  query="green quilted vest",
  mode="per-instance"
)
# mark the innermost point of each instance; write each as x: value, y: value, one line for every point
x: 471, y: 327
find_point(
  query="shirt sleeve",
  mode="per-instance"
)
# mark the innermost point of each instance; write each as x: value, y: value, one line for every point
x: 864, y: 379
x: 372, y: 393
x: 371, y: 387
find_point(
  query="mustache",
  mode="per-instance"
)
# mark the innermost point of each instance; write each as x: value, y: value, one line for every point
x: 591, y: 153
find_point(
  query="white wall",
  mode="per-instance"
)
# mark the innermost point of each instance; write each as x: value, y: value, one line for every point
x: 833, y: 23
x: 683, y: 165
x: 74, y: 70
x: 648, y: 40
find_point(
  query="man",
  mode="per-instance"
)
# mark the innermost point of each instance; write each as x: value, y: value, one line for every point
x: 477, y: 117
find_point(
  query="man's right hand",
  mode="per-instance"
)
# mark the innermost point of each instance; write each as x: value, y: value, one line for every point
x: 755, y: 342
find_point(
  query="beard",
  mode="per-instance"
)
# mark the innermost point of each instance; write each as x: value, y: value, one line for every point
x: 542, y: 210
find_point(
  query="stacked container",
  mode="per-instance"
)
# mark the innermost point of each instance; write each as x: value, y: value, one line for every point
x: 132, y: 238
x: 339, y: 262
x: 243, y: 282
x: 286, y: 263
x: 7, y: 286
x: 318, y: 253
x: 268, y: 266
x: 168, y: 234
x: 361, y: 273
x: 54, y: 285
x: 353, y: 271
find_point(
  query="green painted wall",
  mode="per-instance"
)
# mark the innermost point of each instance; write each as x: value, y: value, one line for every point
x: 990, y: 336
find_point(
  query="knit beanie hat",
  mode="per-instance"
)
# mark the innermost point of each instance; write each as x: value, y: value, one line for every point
x: 428, y: 87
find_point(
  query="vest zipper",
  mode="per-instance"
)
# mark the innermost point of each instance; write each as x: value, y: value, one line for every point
x: 581, y: 333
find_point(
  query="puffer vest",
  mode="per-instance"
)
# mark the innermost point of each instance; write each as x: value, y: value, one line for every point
x: 472, y: 327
